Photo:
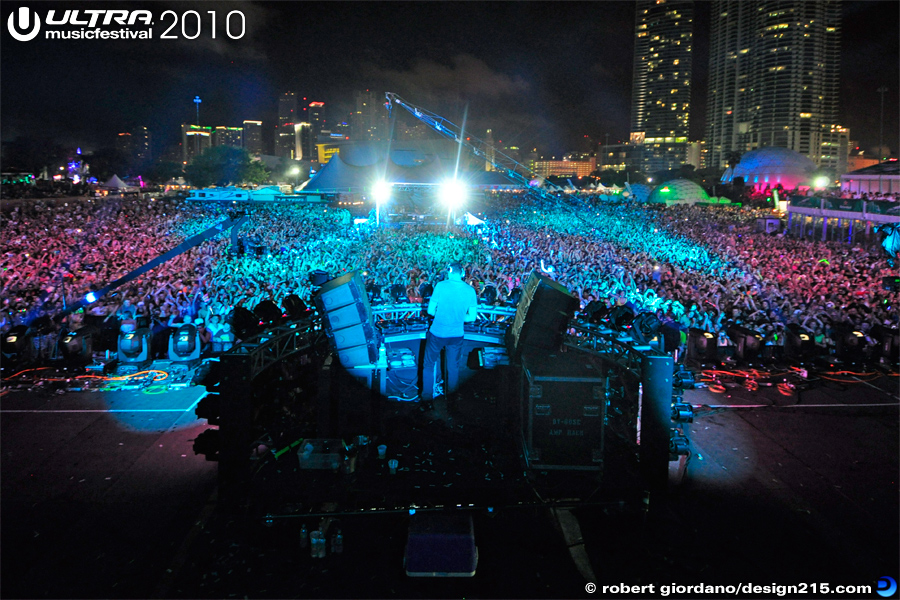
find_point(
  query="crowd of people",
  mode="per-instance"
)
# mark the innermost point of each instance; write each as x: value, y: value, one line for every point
x: 693, y: 266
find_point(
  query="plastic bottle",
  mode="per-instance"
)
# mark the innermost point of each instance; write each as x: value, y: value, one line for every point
x: 316, y: 544
x: 337, y: 542
x: 304, y: 537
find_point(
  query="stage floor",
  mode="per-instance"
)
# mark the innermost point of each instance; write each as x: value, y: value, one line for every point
x: 97, y: 503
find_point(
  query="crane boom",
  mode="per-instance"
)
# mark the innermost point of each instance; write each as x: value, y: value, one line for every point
x: 503, y: 163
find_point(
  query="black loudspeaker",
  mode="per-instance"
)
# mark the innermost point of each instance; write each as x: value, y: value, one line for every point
x: 541, y: 316
x: 747, y: 343
x: 799, y: 343
x: 348, y: 319
x: 702, y: 346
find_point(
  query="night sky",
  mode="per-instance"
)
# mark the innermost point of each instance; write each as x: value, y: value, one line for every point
x: 540, y: 74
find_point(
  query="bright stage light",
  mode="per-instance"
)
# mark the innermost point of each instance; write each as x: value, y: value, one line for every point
x: 821, y: 182
x: 381, y: 191
x: 90, y: 298
x: 453, y: 193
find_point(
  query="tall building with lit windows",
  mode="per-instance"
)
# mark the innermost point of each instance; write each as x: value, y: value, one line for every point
x: 773, y: 80
x: 251, y: 137
x: 285, y: 136
x: 661, y: 86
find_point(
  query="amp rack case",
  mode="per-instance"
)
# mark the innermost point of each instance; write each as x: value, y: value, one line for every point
x: 563, y: 412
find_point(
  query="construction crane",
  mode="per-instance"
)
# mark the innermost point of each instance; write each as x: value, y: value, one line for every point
x: 512, y: 169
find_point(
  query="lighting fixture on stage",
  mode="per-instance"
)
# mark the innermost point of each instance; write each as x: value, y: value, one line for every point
x: 295, y: 307
x: 90, y: 298
x: 702, y: 345
x: 888, y: 339
x: 682, y: 413
x: 134, y: 346
x: 398, y: 294
x: 267, y: 312
x: 799, y: 343
x: 381, y: 192
x: 595, y: 312
x: 76, y: 345
x: 453, y: 194
x: 645, y: 327
x: 184, y: 344
x: 16, y: 343
x: 747, y: 343
x: 621, y: 317
x: 849, y: 343
x: 319, y: 277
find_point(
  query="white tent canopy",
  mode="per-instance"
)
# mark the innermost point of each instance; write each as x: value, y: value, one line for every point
x: 115, y: 183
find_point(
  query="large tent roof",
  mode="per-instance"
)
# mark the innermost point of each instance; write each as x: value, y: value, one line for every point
x: 115, y: 183
x: 356, y: 169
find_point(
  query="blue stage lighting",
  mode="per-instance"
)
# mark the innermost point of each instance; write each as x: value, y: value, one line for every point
x: 90, y: 298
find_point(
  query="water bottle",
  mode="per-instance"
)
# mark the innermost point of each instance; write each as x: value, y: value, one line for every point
x: 304, y: 537
x: 337, y: 542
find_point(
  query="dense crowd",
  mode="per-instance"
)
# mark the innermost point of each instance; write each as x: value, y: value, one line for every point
x: 702, y: 267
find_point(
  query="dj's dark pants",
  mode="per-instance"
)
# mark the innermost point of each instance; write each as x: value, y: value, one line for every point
x: 433, y: 347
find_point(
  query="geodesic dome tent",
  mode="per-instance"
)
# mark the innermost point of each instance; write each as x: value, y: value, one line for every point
x: 772, y: 166
x: 639, y: 191
x: 678, y: 191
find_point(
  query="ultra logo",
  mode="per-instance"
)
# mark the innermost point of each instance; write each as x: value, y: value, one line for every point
x: 24, y: 22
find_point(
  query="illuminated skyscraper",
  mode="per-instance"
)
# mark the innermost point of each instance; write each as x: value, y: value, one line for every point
x: 252, y: 137
x: 227, y: 136
x: 369, y: 121
x: 285, y: 142
x: 194, y: 141
x: 773, y: 79
x: 661, y: 90
x: 142, y: 144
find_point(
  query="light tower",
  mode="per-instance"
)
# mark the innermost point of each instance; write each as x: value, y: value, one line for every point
x: 197, y: 102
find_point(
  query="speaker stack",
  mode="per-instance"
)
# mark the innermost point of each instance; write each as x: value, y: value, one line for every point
x: 541, y: 315
x: 348, y: 319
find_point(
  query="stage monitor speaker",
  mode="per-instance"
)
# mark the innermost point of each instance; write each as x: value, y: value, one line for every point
x: 748, y: 344
x: 348, y: 319
x: 799, y: 343
x: 702, y: 346
x: 541, y: 316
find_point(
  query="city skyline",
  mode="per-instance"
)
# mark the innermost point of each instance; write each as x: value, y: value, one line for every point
x: 541, y: 87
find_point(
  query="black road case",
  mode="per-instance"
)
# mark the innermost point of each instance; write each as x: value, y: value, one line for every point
x: 564, y: 410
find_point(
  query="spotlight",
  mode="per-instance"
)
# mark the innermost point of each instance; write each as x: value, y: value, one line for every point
x: 295, y: 307
x: 645, y: 327
x: 702, y: 345
x: 381, y: 192
x: 90, y: 298
x: 595, y: 312
x: 398, y: 294
x: 798, y: 342
x: 76, y: 345
x: 184, y: 344
x: 849, y: 343
x: 134, y: 347
x: 453, y: 194
x: 747, y: 343
x: 17, y: 344
x: 888, y: 342
x: 679, y: 445
x: 621, y: 317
